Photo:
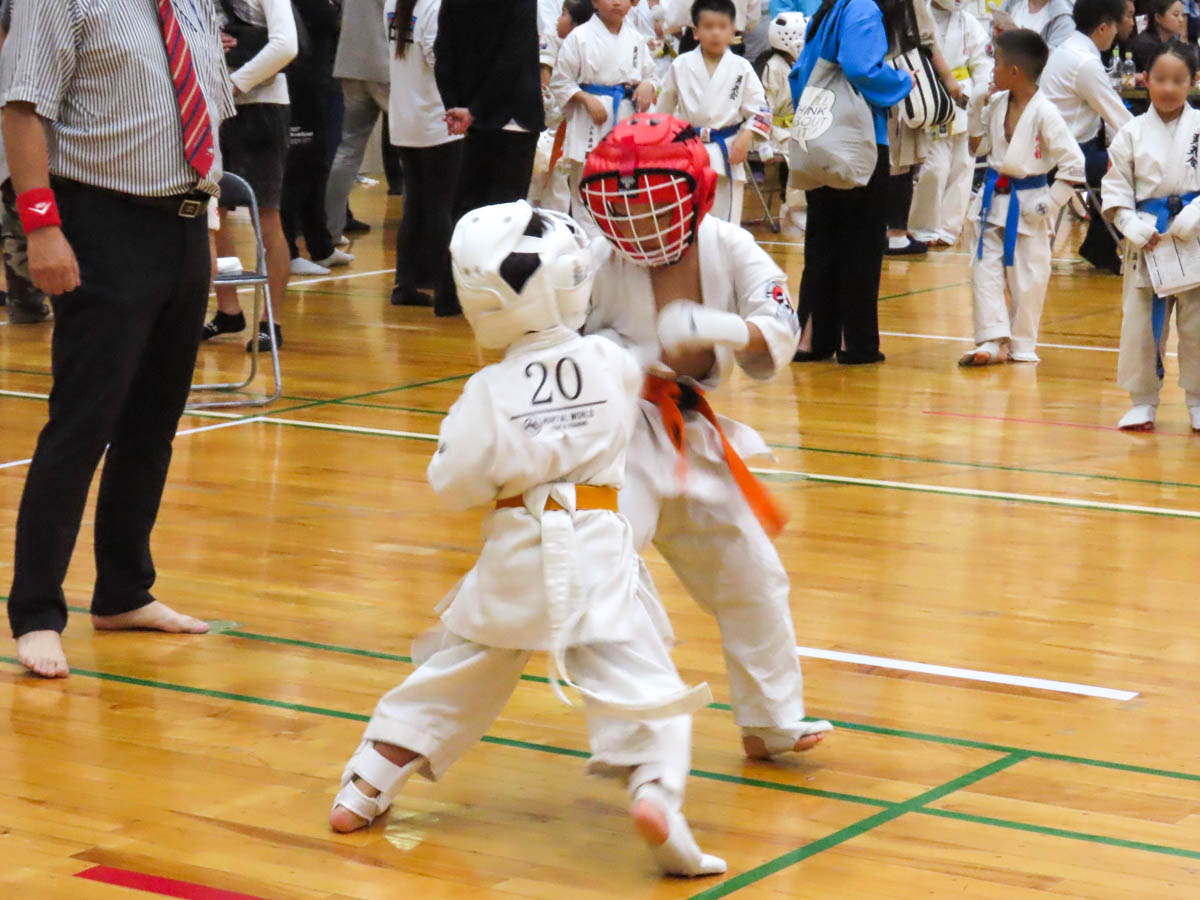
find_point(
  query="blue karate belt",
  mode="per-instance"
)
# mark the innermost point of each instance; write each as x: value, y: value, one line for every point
x: 719, y: 136
x: 615, y: 92
x: 1164, y: 209
x: 995, y: 183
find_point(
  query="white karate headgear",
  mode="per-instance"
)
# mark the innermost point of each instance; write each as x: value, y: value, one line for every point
x: 951, y: 5
x: 520, y: 270
x: 786, y: 33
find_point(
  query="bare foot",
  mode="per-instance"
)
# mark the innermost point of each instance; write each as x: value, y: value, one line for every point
x: 651, y: 823
x: 154, y: 616
x: 343, y: 820
x: 756, y: 747
x: 41, y: 653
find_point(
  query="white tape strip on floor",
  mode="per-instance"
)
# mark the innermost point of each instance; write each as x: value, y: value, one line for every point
x: 919, y: 487
x: 1041, y: 684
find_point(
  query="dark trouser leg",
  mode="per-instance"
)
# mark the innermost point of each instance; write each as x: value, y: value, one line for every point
x: 512, y: 153
x: 139, y: 455
x: 818, y: 284
x: 863, y: 231
x: 392, y: 168
x: 129, y: 260
x: 1098, y: 246
x: 423, y: 237
x: 899, y: 200
x: 474, y: 183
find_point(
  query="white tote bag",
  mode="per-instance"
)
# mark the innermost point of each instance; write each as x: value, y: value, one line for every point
x: 833, y: 131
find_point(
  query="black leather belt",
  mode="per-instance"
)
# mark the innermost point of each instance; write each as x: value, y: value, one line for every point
x: 186, y: 206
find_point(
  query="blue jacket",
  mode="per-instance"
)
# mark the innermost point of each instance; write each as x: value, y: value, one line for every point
x: 808, y: 7
x: 858, y: 44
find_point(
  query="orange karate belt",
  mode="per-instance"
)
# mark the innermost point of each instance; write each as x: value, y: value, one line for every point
x: 587, y: 496
x: 665, y: 393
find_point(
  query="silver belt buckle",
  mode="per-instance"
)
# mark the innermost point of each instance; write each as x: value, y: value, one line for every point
x: 189, y: 209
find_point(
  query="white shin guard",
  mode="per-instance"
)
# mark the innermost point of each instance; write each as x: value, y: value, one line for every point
x: 379, y: 772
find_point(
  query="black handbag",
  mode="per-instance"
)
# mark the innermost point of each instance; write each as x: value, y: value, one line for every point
x: 252, y: 38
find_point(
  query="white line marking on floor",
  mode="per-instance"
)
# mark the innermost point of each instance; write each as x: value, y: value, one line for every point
x: 990, y: 495
x: 1041, y: 684
x: 919, y: 487
x: 969, y: 342
x: 353, y: 429
x: 186, y: 431
x: 26, y: 394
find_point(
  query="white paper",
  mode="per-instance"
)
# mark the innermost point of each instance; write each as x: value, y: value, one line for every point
x: 1174, y: 265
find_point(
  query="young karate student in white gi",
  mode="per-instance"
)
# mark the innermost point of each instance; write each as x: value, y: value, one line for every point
x: 548, y: 186
x: 943, y: 188
x: 542, y: 436
x: 785, y: 34
x: 1024, y: 137
x: 649, y: 186
x: 604, y: 73
x: 719, y: 93
x: 1152, y: 189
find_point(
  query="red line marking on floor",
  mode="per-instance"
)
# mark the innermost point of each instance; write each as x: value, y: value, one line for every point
x: 958, y: 415
x: 164, y: 887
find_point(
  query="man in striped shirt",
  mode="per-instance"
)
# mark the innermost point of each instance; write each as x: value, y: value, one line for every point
x: 110, y: 113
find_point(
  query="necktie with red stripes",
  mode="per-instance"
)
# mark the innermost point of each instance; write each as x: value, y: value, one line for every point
x: 193, y: 108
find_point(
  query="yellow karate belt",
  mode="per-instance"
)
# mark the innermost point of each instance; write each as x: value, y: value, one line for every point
x: 587, y: 496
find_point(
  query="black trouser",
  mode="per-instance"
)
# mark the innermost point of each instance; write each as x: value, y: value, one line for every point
x: 423, y: 236
x: 843, y: 256
x: 496, y: 168
x: 122, y: 356
x: 303, y: 208
x: 899, y: 200
x: 392, y: 170
x: 1098, y: 246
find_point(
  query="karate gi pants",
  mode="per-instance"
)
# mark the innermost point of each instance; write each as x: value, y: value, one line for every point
x: 943, y: 190
x: 727, y: 204
x: 444, y: 707
x: 711, y: 539
x: 1137, y: 368
x: 1017, y: 314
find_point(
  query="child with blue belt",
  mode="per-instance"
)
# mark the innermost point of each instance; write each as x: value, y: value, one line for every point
x: 1024, y: 138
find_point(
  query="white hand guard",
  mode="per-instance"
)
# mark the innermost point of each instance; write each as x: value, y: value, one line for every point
x: 975, y: 107
x: 1136, y: 229
x: 1061, y: 193
x: 1187, y: 223
x: 684, y: 325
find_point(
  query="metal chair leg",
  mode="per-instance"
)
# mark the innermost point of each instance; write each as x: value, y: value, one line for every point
x: 772, y: 223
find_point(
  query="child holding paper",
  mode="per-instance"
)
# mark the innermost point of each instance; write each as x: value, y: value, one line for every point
x: 1151, y: 194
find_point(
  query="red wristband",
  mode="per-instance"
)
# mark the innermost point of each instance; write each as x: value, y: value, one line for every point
x: 37, y: 209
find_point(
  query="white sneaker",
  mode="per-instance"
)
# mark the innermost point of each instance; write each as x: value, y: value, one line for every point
x: 1141, y: 418
x: 343, y: 241
x: 1194, y: 413
x: 337, y: 258
x: 302, y: 266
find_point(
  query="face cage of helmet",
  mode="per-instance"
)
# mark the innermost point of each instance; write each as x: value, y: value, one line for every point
x: 649, y: 222
x: 543, y: 283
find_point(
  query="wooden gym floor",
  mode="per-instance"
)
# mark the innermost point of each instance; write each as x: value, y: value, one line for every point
x: 993, y: 521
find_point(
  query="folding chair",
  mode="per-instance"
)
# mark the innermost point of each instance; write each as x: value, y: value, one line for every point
x: 771, y: 221
x: 235, y: 192
x: 1085, y: 196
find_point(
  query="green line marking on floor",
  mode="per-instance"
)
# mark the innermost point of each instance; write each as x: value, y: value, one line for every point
x: 890, y: 809
x: 1061, y: 832
x: 871, y: 822
x: 839, y: 723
